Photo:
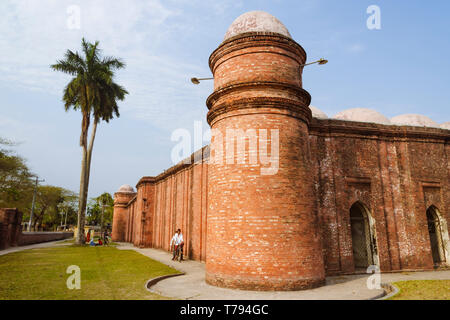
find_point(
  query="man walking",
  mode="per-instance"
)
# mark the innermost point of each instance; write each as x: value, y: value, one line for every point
x: 178, y: 244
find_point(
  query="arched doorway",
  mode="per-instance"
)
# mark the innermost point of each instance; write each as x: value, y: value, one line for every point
x: 363, y: 237
x: 438, y: 235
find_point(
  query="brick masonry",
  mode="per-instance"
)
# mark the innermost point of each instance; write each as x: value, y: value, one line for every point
x: 289, y: 230
x: 10, y: 228
x: 11, y: 234
x: 27, y: 238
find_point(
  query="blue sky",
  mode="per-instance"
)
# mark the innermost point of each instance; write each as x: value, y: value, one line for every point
x: 402, y: 68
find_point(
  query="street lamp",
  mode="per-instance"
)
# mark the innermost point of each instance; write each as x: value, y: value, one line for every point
x: 197, y: 80
x: 65, y: 220
x: 103, y: 213
x: 34, y: 201
x: 321, y: 61
x: 62, y: 217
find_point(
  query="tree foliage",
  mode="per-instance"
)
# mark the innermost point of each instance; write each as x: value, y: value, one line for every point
x: 17, y: 189
x: 51, y: 205
x: 15, y: 179
x: 94, y: 212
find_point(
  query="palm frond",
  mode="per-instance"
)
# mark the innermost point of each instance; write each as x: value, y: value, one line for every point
x: 92, y: 90
x: 113, y: 63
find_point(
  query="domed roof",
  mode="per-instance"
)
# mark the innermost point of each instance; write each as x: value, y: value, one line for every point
x: 446, y: 125
x: 256, y: 21
x: 126, y: 188
x: 317, y: 113
x: 416, y: 120
x: 362, y: 115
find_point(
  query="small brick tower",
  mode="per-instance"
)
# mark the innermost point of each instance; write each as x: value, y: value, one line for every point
x: 121, y: 199
x: 262, y: 228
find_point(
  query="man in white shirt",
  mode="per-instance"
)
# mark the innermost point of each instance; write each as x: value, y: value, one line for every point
x: 177, y: 241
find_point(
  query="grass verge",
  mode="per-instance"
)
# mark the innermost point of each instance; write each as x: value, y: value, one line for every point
x: 423, y: 290
x: 106, y: 274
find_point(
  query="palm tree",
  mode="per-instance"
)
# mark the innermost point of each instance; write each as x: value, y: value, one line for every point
x: 93, y: 92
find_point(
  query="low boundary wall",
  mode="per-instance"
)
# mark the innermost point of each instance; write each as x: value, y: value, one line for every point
x: 27, y: 238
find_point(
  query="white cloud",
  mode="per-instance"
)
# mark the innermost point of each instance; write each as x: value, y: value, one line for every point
x: 17, y: 131
x: 34, y: 34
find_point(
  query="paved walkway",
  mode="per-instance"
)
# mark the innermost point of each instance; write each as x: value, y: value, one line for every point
x: 192, y: 285
x: 35, y: 246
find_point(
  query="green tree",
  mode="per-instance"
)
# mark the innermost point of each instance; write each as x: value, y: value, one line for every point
x: 69, y: 208
x: 16, y: 186
x: 92, y: 91
x: 100, y: 210
x: 48, y: 210
x: 93, y: 213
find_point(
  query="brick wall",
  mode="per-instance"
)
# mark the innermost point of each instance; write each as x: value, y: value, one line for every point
x: 28, y: 238
x: 175, y: 199
x: 10, y: 227
x: 180, y: 202
x: 397, y: 172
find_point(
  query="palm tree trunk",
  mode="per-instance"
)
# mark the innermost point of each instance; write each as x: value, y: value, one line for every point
x: 84, y: 183
x: 89, y: 154
x: 82, y: 199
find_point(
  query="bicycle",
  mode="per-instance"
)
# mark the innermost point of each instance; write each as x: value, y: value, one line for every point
x: 178, y: 253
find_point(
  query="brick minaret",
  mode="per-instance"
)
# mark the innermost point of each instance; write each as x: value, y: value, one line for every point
x: 121, y: 199
x: 262, y: 228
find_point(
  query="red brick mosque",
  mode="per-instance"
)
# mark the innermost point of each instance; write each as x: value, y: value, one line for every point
x: 347, y: 192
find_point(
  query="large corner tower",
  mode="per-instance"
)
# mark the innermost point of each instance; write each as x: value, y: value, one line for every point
x: 262, y: 221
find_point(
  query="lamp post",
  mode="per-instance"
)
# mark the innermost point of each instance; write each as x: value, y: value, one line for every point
x: 34, y: 201
x: 321, y: 61
x: 197, y: 80
x: 62, y: 216
x: 65, y: 220
x: 101, y: 222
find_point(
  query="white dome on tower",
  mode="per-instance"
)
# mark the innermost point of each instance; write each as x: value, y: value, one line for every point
x: 126, y: 188
x: 445, y: 125
x: 362, y: 115
x: 256, y: 21
x: 416, y: 120
x: 317, y: 113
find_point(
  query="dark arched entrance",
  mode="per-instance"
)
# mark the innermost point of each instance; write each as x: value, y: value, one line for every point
x: 362, y: 237
x: 436, y: 239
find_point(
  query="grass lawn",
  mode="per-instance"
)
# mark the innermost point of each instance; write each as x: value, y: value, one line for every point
x: 423, y: 290
x: 106, y: 274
